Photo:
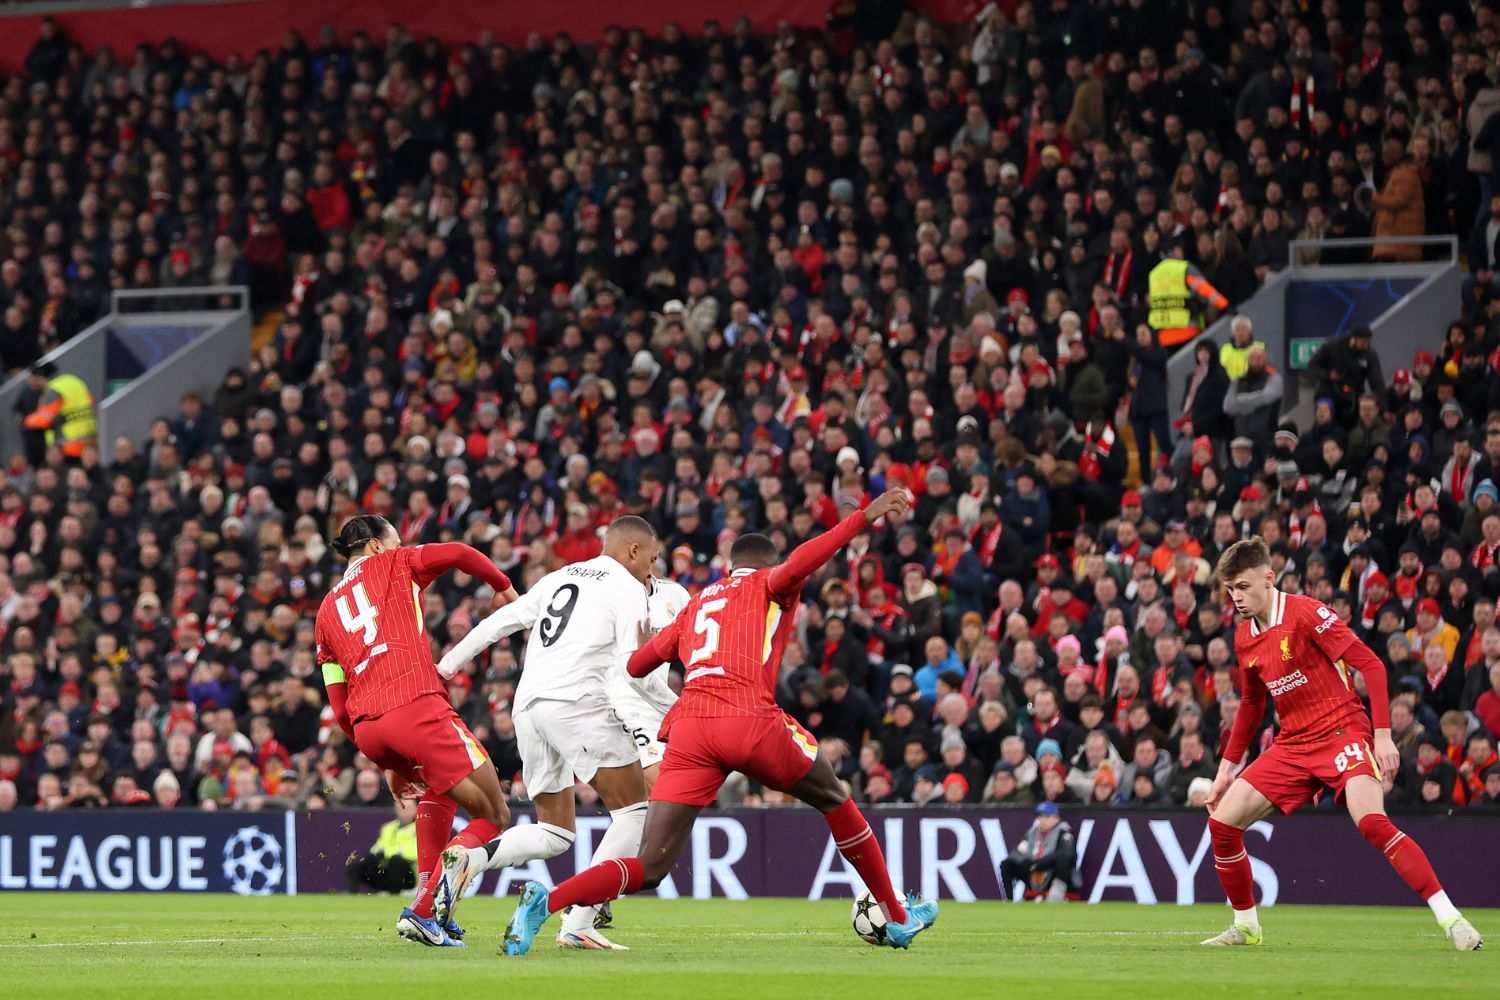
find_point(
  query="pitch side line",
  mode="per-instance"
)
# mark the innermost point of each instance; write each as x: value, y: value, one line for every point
x: 172, y: 941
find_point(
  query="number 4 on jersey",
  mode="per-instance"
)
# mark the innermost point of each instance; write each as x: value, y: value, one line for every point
x: 365, y: 620
x: 1352, y: 754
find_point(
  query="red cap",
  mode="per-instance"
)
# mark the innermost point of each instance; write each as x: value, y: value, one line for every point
x: 561, y: 286
x: 181, y: 257
x: 70, y: 688
x: 590, y: 211
x: 1428, y: 605
x: 1402, y: 376
x: 1251, y: 493
x: 1040, y: 368
x: 1017, y: 295
x: 1202, y: 441
x: 796, y: 373
x: 1377, y: 579
x: 956, y: 779
x: 462, y: 680
x: 234, y: 469
x: 1048, y: 559
x: 1130, y: 499
x: 1422, y: 358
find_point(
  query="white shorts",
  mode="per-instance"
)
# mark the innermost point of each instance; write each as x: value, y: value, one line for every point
x: 643, y: 720
x: 561, y: 741
x: 643, y: 732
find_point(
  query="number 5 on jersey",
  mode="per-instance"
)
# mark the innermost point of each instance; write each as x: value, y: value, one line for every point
x: 364, y: 621
x: 705, y: 626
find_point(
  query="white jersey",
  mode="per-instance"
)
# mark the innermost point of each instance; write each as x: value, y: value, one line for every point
x: 644, y: 701
x: 583, y: 618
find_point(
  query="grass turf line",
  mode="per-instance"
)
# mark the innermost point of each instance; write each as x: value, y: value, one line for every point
x: 161, y: 946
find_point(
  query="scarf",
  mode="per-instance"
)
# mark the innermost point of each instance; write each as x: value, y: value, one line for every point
x: 1463, y: 475
x: 1370, y: 611
x: 1117, y: 271
x: 1484, y: 557
x: 885, y: 616
x: 1200, y: 372
x: 1406, y: 586
x: 988, y: 544
x: 1161, y: 683
x: 1433, y: 680
x: 1095, y: 451
x: 1304, y: 102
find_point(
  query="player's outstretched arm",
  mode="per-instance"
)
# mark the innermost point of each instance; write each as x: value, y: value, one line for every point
x: 1362, y: 658
x: 1252, y: 710
x: 431, y: 561
x: 1332, y: 635
x: 654, y: 653
x: 515, y: 616
x: 333, y: 681
x: 787, y: 579
x: 338, y: 697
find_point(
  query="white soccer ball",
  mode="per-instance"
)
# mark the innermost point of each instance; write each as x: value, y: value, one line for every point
x: 869, y: 919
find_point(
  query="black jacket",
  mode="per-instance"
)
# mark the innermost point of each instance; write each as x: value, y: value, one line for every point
x: 1208, y: 403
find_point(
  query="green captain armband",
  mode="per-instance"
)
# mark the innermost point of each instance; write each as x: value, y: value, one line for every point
x: 333, y: 673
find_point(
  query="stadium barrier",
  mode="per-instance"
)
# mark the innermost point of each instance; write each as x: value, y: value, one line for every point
x: 154, y: 345
x: 1155, y: 856
x: 220, y: 27
x: 1406, y: 305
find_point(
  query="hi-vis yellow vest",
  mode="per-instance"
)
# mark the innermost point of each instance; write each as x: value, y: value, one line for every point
x: 1168, y: 295
x: 76, y: 420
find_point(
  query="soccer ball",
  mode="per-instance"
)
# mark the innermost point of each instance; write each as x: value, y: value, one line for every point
x: 869, y: 919
x: 252, y: 862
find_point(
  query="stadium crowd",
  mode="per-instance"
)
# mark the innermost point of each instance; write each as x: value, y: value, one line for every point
x: 737, y: 282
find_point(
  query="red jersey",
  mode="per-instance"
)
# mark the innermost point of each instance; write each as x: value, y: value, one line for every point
x: 370, y: 624
x: 1299, y: 660
x: 731, y: 636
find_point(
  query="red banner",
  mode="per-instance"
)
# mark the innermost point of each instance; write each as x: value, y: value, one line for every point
x: 245, y: 26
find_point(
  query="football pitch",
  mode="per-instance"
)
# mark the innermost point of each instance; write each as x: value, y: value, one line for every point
x: 87, y: 945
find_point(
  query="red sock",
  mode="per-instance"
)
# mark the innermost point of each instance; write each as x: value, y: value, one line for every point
x: 1409, y: 860
x: 1232, y: 862
x: 434, y: 827
x: 856, y: 842
x: 479, y: 831
x: 605, y: 881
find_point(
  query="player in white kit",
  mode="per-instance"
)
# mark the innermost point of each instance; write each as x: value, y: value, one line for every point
x: 584, y: 619
x: 643, y: 703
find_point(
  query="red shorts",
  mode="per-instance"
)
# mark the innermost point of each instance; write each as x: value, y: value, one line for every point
x: 1290, y: 774
x: 772, y: 750
x: 426, y: 741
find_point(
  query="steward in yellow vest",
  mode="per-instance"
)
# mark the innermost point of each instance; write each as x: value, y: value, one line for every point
x: 66, y: 411
x: 1171, y: 288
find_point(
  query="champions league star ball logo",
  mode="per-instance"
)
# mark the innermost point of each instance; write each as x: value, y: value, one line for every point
x: 252, y: 862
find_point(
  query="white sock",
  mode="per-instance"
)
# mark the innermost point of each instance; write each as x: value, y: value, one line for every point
x: 1442, y: 908
x: 527, y: 842
x: 621, y: 840
x: 1247, y: 918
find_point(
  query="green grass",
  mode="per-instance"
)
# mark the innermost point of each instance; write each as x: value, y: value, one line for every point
x: 75, y: 945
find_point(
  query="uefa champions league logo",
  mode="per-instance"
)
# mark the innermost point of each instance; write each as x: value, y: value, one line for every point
x: 252, y: 862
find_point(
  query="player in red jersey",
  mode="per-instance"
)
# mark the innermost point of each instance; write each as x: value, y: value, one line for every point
x: 392, y: 704
x: 730, y: 639
x: 1300, y: 652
